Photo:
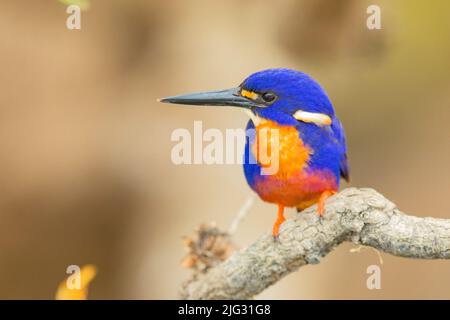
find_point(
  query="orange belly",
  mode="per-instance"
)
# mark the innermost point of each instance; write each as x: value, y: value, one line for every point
x: 301, y: 190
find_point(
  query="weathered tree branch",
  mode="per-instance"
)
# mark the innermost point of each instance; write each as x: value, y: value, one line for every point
x: 361, y: 216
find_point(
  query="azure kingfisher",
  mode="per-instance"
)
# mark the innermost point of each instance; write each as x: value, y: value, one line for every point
x: 312, y: 152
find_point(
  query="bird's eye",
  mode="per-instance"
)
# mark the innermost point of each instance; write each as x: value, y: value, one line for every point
x: 269, y: 97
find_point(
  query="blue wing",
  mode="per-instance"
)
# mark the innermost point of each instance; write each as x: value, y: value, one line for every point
x: 339, y: 133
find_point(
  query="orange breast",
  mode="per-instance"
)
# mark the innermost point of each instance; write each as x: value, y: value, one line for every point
x: 284, y: 140
x: 293, y: 184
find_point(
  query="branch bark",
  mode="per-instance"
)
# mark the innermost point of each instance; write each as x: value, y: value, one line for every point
x: 361, y: 216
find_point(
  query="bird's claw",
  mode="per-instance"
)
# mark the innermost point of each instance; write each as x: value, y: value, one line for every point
x: 321, y: 218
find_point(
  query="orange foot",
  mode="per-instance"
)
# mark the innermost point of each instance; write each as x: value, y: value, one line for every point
x: 323, y: 197
x: 278, y: 222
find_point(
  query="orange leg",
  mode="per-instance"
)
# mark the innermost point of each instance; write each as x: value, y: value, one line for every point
x: 279, y: 221
x: 323, y: 197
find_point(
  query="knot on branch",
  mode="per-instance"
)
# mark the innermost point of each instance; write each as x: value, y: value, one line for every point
x: 207, y: 247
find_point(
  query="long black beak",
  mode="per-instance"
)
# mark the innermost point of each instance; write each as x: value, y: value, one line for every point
x: 229, y: 97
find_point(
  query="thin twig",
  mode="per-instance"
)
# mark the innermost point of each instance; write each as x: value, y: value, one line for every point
x: 241, y: 214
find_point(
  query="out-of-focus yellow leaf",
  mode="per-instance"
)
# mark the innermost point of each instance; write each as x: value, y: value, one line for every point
x: 83, y: 4
x: 87, y: 274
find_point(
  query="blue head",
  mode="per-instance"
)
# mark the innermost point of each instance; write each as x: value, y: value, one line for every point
x: 280, y: 93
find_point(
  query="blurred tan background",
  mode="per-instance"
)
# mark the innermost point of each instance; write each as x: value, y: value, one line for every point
x: 86, y: 175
